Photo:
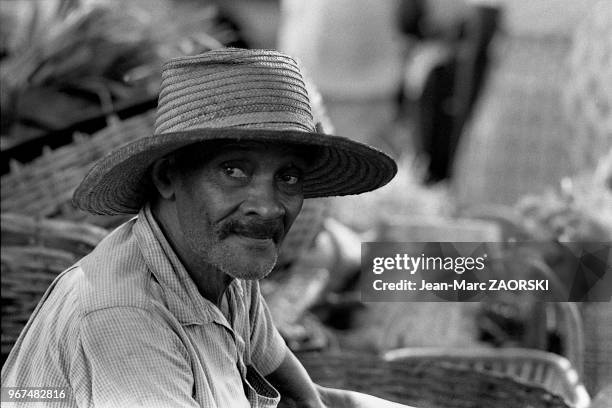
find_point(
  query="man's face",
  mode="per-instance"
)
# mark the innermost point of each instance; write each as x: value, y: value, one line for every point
x: 235, y: 208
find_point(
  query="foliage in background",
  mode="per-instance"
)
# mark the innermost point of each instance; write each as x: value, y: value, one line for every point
x: 103, y: 47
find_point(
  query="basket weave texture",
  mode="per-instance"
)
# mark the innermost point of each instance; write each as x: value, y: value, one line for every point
x: 34, y: 252
x: 426, y: 384
x: 536, y: 367
x: 44, y: 187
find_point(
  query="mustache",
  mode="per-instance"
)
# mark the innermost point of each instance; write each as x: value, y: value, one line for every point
x: 258, y: 229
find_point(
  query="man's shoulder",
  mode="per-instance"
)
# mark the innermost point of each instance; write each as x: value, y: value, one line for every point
x: 114, y: 274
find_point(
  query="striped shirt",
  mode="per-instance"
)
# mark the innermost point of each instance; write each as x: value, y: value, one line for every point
x: 127, y: 327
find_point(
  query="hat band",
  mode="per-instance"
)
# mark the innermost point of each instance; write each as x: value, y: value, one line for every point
x: 290, y: 121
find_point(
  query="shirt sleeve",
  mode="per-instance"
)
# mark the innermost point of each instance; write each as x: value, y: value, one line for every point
x: 129, y: 358
x: 268, y: 348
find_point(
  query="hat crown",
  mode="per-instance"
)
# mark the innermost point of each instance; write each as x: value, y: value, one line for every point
x: 230, y: 87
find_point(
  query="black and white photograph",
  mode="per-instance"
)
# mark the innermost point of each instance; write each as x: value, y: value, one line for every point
x: 306, y: 203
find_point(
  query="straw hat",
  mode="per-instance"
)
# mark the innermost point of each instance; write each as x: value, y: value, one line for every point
x: 232, y: 94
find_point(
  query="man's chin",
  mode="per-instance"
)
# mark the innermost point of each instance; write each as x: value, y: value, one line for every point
x: 248, y: 258
x: 243, y: 269
x: 252, y: 271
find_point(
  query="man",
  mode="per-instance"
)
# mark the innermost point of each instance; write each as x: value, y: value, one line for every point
x: 166, y: 311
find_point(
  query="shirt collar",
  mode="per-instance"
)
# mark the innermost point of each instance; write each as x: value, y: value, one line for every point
x: 180, y: 292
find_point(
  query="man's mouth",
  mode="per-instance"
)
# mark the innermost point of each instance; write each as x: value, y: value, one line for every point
x: 261, y: 230
x: 256, y: 234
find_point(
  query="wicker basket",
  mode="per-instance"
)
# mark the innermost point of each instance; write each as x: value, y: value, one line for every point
x: 77, y: 239
x: 528, y: 366
x: 34, y: 252
x: 426, y: 384
x: 44, y: 187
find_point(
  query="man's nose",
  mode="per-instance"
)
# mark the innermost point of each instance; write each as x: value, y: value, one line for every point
x: 263, y: 201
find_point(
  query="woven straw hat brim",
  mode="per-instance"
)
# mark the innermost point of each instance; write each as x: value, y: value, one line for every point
x: 119, y: 184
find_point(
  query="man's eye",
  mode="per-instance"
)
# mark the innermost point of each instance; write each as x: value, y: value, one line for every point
x: 234, y: 172
x: 290, y: 179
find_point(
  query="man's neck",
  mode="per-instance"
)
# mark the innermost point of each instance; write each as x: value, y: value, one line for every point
x: 210, y: 281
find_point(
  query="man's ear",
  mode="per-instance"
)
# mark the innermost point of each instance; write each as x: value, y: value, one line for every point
x: 162, y: 178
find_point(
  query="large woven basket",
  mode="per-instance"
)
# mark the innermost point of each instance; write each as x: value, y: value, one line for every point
x: 44, y: 187
x: 34, y: 252
x: 547, y: 370
x: 426, y: 384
